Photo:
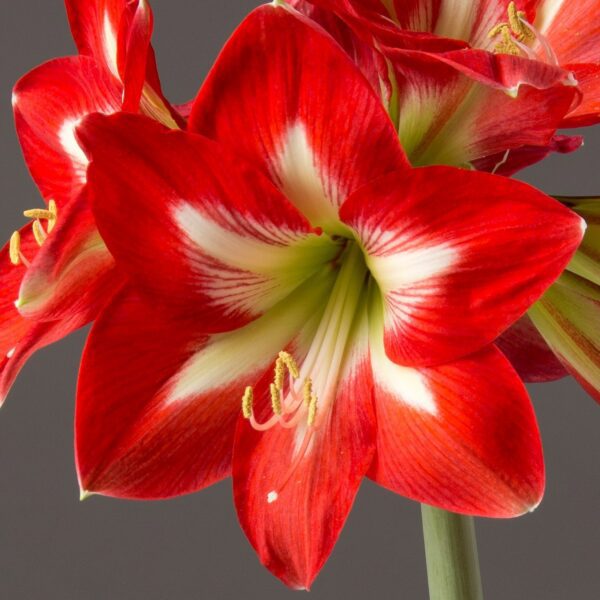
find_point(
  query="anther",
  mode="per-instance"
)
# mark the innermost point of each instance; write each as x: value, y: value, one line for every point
x: 290, y: 363
x: 14, y: 250
x: 307, y: 391
x: 275, y: 399
x: 38, y: 233
x: 279, y: 373
x: 516, y: 18
x: 247, y: 402
x: 38, y: 213
x: 53, y: 209
x: 312, y: 411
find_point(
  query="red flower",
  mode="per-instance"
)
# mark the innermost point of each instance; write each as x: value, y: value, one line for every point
x: 306, y: 309
x: 494, y: 96
x: 57, y: 269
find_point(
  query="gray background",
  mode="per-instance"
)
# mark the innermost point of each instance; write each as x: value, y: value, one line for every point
x: 53, y: 546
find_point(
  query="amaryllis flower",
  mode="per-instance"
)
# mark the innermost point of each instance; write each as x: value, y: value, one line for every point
x: 57, y: 269
x: 307, y: 309
x: 496, y: 102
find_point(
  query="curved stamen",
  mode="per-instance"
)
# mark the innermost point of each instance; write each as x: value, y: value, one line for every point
x: 14, y: 250
x: 50, y: 215
x: 515, y: 35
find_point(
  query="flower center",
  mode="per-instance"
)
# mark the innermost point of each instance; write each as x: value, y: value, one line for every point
x: 40, y: 233
x: 302, y: 395
x: 514, y: 36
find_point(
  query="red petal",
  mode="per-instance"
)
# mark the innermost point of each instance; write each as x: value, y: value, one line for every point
x: 49, y: 102
x: 20, y: 337
x: 36, y: 336
x: 447, y: 118
x: 461, y: 436
x: 293, y: 503
x: 459, y: 256
x: 588, y: 112
x: 158, y: 399
x: 192, y: 225
x: 509, y: 163
x: 137, y: 55
x: 12, y: 325
x: 529, y: 354
x: 72, y: 272
x: 272, y: 97
x: 572, y: 29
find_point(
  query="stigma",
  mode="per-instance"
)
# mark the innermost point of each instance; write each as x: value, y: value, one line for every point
x: 40, y: 233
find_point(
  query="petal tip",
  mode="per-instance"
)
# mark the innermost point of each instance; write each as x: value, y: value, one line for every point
x: 85, y: 494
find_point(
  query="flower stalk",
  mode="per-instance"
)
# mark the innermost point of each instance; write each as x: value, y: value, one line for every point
x: 451, y: 554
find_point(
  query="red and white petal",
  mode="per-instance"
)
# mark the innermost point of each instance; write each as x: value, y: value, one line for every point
x: 295, y: 487
x: 49, y: 102
x: 460, y: 436
x: 194, y: 226
x: 318, y: 137
x: 458, y: 256
x: 568, y: 317
x: 529, y: 354
x: 469, y: 21
x: 95, y: 25
x: 116, y: 34
x: 158, y: 399
x: 73, y: 272
x: 445, y: 117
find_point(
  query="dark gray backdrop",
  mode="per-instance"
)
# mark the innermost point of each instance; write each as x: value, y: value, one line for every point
x: 53, y: 546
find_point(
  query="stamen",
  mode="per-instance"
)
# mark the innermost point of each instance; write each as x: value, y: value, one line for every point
x: 290, y: 363
x: 52, y: 208
x: 307, y: 391
x: 38, y: 233
x: 516, y: 33
x: 38, y: 213
x: 312, y: 411
x: 247, y: 402
x: 14, y: 250
x: 279, y: 373
x: 275, y: 399
x: 516, y: 19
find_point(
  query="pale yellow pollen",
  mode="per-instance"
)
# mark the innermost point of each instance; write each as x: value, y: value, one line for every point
x: 247, y: 402
x: 290, y: 363
x: 515, y: 19
x: 279, y: 374
x: 53, y: 209
x: 515, y: 27
x: 307, y: 391
x: 275, y: 399
x: 38, y: 213
x: 312, y: 411
x: 14, y: 250
x: 38, y: 233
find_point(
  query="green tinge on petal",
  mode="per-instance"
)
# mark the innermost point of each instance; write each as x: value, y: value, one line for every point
x: 586, y: 262
x: 568, y: 317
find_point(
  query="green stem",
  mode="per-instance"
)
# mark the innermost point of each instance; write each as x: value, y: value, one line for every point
x: 451, y: 553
